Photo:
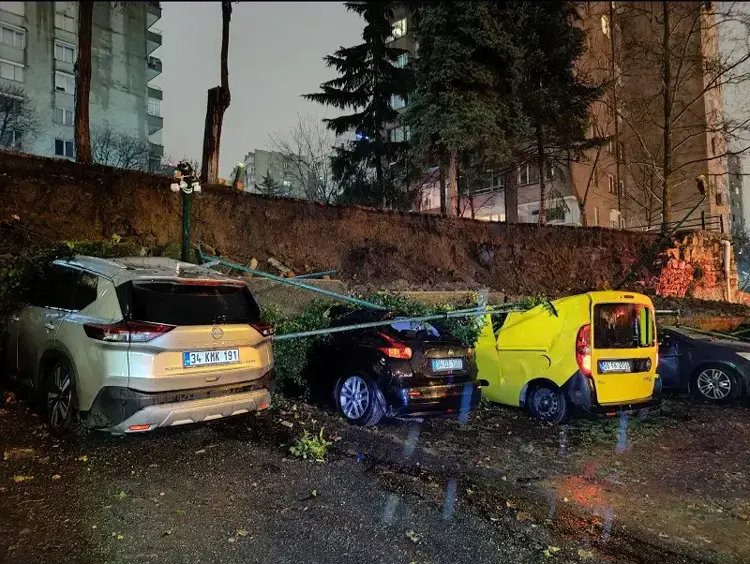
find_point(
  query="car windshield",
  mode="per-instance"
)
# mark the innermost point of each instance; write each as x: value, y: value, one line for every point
x: 622, y: 326
x: 173, y: 303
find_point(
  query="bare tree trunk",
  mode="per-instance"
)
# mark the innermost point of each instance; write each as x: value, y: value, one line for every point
x: 218, y: 101
x: 511, y: 197
x: 666, y: 205
x: 453, y: 184
x: 542, y: 186
x: 83, y: 82
x: 441, y: 173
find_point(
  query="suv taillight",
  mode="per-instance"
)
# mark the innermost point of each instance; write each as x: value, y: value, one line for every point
x: 126, y: 331
x: 265, y: 329
x: 395, y: 349
x: 583, y: 349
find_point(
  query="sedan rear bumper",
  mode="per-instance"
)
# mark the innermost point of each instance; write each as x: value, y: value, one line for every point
x: 425, y: 400
x: 196, y: 411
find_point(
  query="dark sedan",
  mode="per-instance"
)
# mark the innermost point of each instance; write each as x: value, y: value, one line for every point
x: 709, y: 366
x: 401, y: 369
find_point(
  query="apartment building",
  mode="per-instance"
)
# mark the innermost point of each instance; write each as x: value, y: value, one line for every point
x: 618, y: 185
x: 281, y: 168
x: 38, y: 54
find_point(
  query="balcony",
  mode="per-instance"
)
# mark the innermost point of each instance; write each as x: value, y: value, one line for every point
x: 153, y: 68
x: 155, y: 93
x: 153, y: 13
x: 153, y: 40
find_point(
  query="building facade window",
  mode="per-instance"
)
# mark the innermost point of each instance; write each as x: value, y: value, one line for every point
x: 12, y: 36
x: 11, y: 71
x: 605, y: 25
x: 65, y: 52
x: 399, y: 29
x: 65, y: 22
x: 399, y: 134
x: 64, y: 148
x: 154, y: 107
x: 65, y: 82
x: 719, y: 197
x: 10, y: 139
x: 402, y: 61
x: 63, y: 116
x: 523, y: 175
x: 397, y: 102
x: 596, y: 217
x: 622, y: 188
x: 612, y: 184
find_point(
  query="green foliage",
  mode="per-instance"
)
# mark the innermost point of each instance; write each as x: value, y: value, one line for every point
x: 269, y: 186
x: 309, y: 446
x: 20, y: 276
x: 368, y: 77
x: 291, y: 357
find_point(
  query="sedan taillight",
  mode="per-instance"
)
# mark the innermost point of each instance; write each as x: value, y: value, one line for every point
x: 126, y: 331
x: 395, y: 349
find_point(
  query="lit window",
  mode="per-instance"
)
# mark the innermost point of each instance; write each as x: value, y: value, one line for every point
x: 11, y: 71
x: 65, y: 22
x: 611, y: 184
x: 605, y: 25
x: 402, y: 61
x: 154, y: 107
x: 65, y: 53
x: 397, y: 102
x: 64, y: 148
x: 65, y: 82
x: 12, y: 37
x: 63, y: 116
x: 286, y: 183
x: 399, y: 28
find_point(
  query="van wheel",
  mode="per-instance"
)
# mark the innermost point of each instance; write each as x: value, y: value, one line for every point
x: 60, y: 401
x: 716, y: 384
x: 548, y: 403
x: 358, y: 400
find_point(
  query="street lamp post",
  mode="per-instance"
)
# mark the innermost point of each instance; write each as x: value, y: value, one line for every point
x: 187, y: 183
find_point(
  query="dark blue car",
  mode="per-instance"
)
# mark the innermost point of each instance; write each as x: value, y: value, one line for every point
x: 709, y: 366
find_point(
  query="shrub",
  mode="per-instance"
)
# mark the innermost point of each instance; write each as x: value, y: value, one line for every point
x: 309, y: 446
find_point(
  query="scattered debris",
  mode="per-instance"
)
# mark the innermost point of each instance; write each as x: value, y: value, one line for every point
x: 83, y: 458
x: 414, y: 536
x: 287, y: 424
x: 18, y: 453
x: 550, y: 551
x: 56, y: 476
x: 241, y: 533
x: 285, y: 271
x: 19, y: 479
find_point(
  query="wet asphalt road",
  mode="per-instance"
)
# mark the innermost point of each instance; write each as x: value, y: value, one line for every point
x: 230, y: 492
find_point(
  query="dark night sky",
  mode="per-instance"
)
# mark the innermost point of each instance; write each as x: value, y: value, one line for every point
x: 275, y: 54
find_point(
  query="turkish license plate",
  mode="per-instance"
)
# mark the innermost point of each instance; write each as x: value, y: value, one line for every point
x: 614, y: 366
x: 441, y: 364
x: 207, y: 358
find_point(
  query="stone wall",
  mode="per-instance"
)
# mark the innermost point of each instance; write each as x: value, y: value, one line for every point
x: 54, y: 199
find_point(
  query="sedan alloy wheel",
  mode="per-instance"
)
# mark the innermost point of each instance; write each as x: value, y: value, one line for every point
x: 354, y: 397
x: 714, y: 384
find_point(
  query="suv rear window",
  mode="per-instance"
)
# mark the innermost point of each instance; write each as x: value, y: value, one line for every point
x: 173, y: 303
x: 622, y: 326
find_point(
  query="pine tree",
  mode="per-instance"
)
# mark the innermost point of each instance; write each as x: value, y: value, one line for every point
x: 467, y: 75
x: 268, y: 185
x: 554, y: 97
x: 367, y: 82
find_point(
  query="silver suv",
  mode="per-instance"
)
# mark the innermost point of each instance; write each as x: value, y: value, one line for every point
x: 133, y: 344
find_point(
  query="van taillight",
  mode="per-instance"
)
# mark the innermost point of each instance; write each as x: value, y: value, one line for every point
x: 395, y: 349
x: 583, y: 349
x: 126, y: 331
x: 265, y: 329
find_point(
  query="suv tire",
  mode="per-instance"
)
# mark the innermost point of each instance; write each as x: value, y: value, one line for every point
x: 60, y: 401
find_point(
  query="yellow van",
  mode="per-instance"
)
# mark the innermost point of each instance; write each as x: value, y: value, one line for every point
x: 590, y: 353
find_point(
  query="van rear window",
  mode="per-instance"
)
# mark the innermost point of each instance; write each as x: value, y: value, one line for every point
x: 622, y: 326
x: 173, y: 303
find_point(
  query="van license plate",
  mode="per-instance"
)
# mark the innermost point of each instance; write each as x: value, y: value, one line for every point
x: 206, y: 358
x: 610, y: 366
x: 440, y: 364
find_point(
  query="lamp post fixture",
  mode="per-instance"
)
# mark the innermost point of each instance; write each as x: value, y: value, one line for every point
x: 186, y: 182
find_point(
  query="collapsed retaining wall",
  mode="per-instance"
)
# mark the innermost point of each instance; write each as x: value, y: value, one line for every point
x: 371, y: 249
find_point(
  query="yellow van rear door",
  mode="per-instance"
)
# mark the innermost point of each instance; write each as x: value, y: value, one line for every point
x: 623, y: 353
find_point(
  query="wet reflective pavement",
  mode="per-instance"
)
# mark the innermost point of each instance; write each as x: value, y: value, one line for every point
x: 497, y: 488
